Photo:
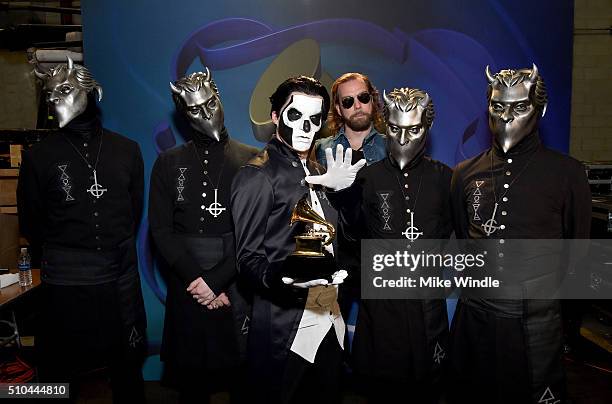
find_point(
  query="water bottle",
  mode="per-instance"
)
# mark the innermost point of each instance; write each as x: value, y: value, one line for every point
x: 25, y: 270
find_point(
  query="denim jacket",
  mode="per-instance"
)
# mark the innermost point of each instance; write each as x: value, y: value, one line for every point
x: 374, y: 148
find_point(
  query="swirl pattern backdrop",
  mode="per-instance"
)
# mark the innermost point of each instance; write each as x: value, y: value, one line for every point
x: 134, y: 48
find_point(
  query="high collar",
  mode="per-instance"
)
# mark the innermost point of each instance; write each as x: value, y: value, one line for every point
x: 85, y: 125
x: 530, y: 144
x: 203, y: 141
x: 282, y: 149
x: 415, y: 161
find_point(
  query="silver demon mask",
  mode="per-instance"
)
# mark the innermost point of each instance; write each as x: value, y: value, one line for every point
x: 197, y: 97
x: 517, y: 101
x: 300, y: 120
x: 409, y: 113
x: 67, y: 87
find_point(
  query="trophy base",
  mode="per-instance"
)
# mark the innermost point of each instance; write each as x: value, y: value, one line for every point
x: 302, y: 268
x: 308, y: 246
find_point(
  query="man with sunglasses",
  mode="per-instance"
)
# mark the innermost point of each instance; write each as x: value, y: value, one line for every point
x: 356, y: 121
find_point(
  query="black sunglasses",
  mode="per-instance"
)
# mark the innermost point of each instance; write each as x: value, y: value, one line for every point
x: 363, y: 98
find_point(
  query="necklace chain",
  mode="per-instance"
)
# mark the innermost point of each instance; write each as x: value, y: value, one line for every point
x: 83, y: 157
x: 204, y: 169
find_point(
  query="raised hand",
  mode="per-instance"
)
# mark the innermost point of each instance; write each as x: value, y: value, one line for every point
x: 340, y: 173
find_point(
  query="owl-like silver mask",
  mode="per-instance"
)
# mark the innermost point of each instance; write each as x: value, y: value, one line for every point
x: 67, y: 87
x: 197, y: 97
x: 409, y: 113
x: 517, y: 101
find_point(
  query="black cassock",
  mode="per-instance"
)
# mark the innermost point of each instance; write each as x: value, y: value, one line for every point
x: 510, y: 350
x: 264, y: 194
x: 399, y: 342
x: 93, y: 313
x: 192, y: 227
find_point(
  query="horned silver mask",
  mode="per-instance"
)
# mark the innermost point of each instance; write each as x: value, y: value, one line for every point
x: 517, y: 101
x: 197, y: 97
x: 300, y: 120
x: 67, y: 87
x: 409, y: 114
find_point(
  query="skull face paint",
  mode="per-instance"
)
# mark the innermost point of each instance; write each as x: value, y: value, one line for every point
x: 409, y: 117
x: 514, y: 110
x: 197, y: 97
x: 67, y: 87
x: 300, y: 120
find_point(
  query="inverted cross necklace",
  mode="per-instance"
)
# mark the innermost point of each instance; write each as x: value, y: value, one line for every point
x: 490, y: 226
x: 412, y: 231
x: 96, y: 189
x: 215, y: 208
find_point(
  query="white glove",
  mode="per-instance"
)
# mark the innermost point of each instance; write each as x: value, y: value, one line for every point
x: 337, y: 278
x: 340, y: 173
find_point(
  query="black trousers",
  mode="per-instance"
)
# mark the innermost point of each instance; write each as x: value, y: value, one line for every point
x: 80, y: 331
x: 318, y: 382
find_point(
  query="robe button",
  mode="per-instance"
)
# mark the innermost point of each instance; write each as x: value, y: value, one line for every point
x: 508, y: 173
x: 504, y: 213
x: 510, y: 161
x: 294, y: 163
x: 302, y: 182
x: 506, y: 186
x: 203, y: 194
x: 505, y: 199
x: 201, y: 231
x: 405, y: 174
x: 201, y: 219
x: 503, y: 226
x: 406, y: 186
x: 202, y: 207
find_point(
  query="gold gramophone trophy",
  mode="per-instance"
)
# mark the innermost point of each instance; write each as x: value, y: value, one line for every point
x: 309, y: 261
x: 311, y: 243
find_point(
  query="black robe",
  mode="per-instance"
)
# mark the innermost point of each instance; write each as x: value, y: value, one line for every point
x: 510, y: 350
x: 193, y: 243
x: 399, y: 341
x: 94, y: 311
x: 264, y: 193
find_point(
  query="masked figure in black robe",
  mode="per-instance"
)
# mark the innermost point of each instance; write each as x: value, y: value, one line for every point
x: 509, y: 351
x: 206, y: 313
x: 406, y: 195
x: 297, y: 331
x: 80, y: 200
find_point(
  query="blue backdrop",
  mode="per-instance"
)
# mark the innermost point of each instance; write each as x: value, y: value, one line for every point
x: 134, y: 48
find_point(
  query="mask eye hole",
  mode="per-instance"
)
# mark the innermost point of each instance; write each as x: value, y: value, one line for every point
x: 65, y: 88
x: 194, y: 110
x: 211, y: 104
x: 393, y: 129
x: 316, y: 119
x: 293, y: 114
x: 497, y: 107
x: 415, y: 130
x: 520, y: 107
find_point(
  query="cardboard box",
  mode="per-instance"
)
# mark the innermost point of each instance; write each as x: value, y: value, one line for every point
x: 9, y: 241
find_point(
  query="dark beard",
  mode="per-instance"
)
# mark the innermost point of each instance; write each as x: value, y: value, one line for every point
x: 359, y: 123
